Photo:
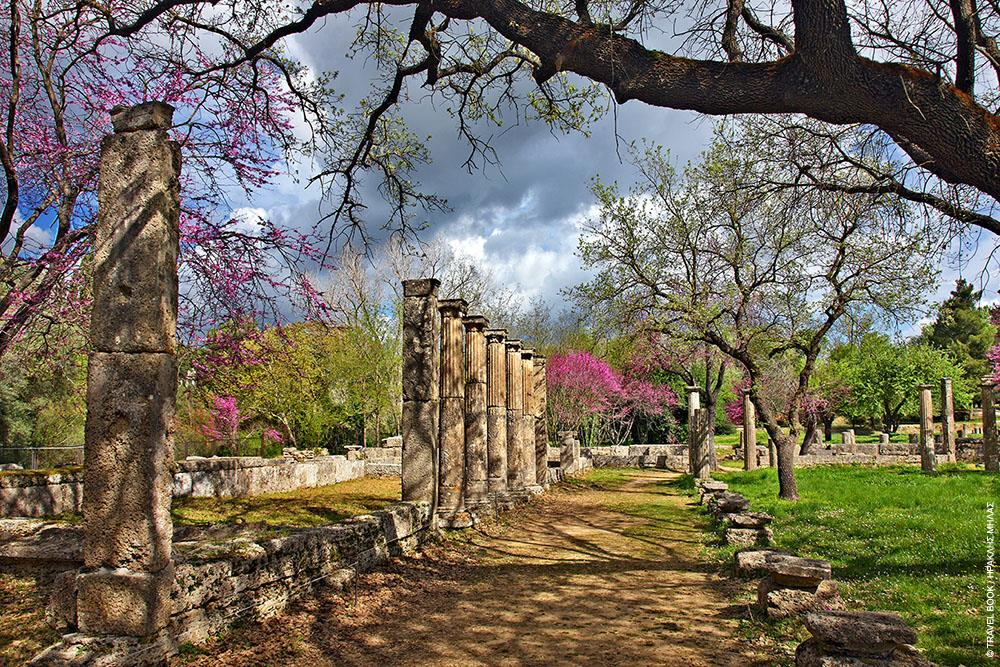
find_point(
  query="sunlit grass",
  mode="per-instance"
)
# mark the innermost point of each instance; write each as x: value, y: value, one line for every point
x: 898, y: 540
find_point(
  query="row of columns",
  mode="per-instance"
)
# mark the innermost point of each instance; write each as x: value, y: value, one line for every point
x: 474, y: 402
x: 928, y: 459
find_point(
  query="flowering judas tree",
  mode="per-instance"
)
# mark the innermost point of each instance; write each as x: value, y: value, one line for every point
x: 66, y: 72
x: 586, y: 394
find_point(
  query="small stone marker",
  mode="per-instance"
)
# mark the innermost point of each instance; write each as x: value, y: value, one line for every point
x: 796, y: 571
x: 858, y: 638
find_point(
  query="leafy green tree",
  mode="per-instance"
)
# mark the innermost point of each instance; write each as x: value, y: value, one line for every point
x: 962, y: 327
x: 884, y: 377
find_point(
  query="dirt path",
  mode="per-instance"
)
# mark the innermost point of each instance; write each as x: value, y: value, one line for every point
x: 587, y: 575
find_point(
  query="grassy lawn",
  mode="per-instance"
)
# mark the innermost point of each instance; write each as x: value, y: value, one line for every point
x: 899, y: 540
x: 302, y: 508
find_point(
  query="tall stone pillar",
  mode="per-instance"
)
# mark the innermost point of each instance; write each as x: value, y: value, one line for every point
x: 772, y: 454
x: 516, y: 482
x: 531, y: 480
x: 927, y: 458
x: 496, y: 412
x: 948, y: 420
x: 451, y: 471
x: 698, y: 455
x: 476, y: 449
x: 749, y: 434
x: 541, y: 431
x: 991, y: 455
x: 421, y: 389
x: 124, y: 586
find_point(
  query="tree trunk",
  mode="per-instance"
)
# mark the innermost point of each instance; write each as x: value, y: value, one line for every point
x: 787, y: 488
x: 810, y: 436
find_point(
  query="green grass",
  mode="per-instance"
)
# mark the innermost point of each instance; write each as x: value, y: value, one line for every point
x: 302, y: 508
x: 898, y: 540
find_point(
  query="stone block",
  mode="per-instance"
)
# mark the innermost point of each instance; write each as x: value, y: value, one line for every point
x: 727, y: 503
x: 420, y: 420
x: 749, y: 537
x: 60, y: 612
x: 136, y: 245
x: 153, y: 115
x: 751, y: 563
x: 129, y: 451
x: 811, y: 653
x: 779, y: 602
x: 797, y: 572
x: 859, y: 633
x: 124, y: 602
x: 748, y: 520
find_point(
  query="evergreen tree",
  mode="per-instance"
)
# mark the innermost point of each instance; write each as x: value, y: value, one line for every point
x: 963, y: 328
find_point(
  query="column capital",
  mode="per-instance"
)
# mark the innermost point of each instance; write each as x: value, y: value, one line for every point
x: 527, y: 353
x: 453, y: 307
x: 928, y: 387
x: 475, y: 322
x: 513, y: 344
x: 496, y: 335
x: 421, y: 287
x: 986, y: 382
x: 540, y: 360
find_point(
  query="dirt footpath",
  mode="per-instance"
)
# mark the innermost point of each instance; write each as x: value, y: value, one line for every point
x: 606, y: 573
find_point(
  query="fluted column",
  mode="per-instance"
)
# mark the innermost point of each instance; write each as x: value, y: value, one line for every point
x: 991, y: 457
x: 541, y: 432
x: 421, y: 389
x: 528, y: 420
x: 927, y: 458
x: 515, y: 416
x: 451, y: 475
x: 948, y: 420
x: 496, y: 412
x: 749, y: 433
x: 476, y: 449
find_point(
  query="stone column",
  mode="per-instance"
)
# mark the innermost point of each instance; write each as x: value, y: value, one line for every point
x: 991, y: 457
x: 516, y: 483
x: 541, y: 430
x: 948, y: 420
x: 566, y: 460
x: 927, y: 458
x: 124, y: 586
x: 749, y: 434
x: 496, y: 412
x: 421, y: 389
x: 476, y: 449
x: 531, y: 480
x: 698, y: 460
x: 772, y: 454
x: 451, y: 471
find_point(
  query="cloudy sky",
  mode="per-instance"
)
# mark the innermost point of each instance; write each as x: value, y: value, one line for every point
x: 521, y: 219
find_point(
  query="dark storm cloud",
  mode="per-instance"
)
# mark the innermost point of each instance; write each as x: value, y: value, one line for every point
x: 536, y: 196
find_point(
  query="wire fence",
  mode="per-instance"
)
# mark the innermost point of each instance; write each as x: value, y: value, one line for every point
x: 40, y: 458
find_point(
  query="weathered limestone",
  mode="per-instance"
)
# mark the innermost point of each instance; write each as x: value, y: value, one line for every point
x: 883, y: 441
x: 540, y: 401
x: 927, y: 458
x: 948, y: 420
x: 451, y: 470
x: 751, y: 563
x: 421, y: 389
x: 496, y: 412
x: 727, y: 502
x: 516, y: 482
x: 749, y: 434
x: 991, y: 456
x: 476, y: 448
x: 794, y: 586
x: 772, y: 453
x: 124, y: 586
x: 531, y: 480
x: 566, y: 458
x: 709, y: 488
x: 698, y: 455
x: 749, y: 537
x: 864, y: 639
x: 748, y: 520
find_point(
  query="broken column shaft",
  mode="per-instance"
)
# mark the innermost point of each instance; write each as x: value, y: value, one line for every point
x: 421, y: 389
x: 124, y: 586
